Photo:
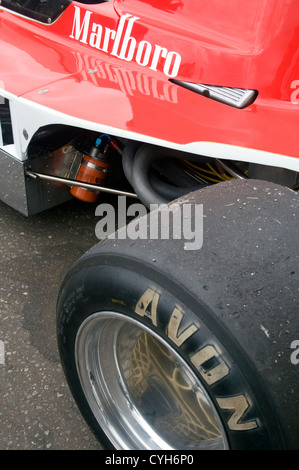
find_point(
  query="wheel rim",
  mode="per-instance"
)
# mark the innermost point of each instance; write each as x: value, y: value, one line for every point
x: 142, y: 393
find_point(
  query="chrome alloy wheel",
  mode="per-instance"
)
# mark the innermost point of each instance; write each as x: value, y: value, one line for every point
x: 140, y: 390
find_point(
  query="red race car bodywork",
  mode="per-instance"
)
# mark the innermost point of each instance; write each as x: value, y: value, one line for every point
x: 135, y: 68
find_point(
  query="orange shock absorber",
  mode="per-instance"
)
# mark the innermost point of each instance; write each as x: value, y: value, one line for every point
x: 93, y: 170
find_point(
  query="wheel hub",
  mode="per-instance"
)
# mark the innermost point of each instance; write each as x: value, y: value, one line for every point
x: 141, y: 391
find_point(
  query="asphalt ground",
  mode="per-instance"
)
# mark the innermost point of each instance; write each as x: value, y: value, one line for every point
x: 37, y: 411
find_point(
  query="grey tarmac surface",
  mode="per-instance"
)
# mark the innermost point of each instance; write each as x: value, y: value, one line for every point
x: 37, y: 410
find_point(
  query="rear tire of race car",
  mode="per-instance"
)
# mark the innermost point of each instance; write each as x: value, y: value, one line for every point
x: 166, y: 348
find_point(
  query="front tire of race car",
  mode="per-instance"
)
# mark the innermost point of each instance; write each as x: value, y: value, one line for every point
x: 164, y: 348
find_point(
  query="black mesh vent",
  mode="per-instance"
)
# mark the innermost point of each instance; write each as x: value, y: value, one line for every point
x: 5, y: 122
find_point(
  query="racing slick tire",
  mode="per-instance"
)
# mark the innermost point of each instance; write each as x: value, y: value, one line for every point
x: 168, y: 348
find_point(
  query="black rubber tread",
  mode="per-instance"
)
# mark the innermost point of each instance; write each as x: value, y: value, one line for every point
x: 243, y: 283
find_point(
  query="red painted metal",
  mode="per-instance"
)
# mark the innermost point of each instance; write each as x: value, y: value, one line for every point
x: 111, y: 63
